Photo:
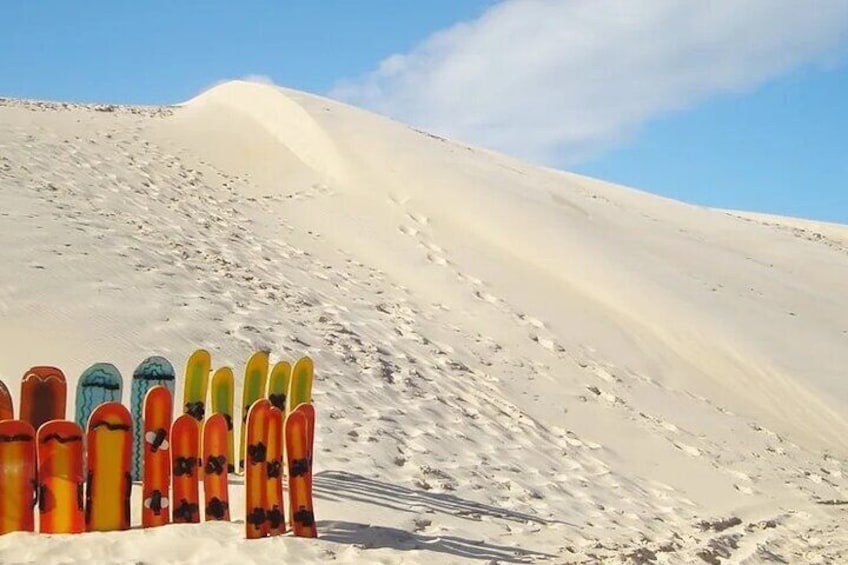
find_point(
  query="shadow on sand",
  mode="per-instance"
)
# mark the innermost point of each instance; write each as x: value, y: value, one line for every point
x: 374, y: 537
x: 340, y: 486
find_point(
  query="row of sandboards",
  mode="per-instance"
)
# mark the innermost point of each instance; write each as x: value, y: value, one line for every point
x: 157, y: 451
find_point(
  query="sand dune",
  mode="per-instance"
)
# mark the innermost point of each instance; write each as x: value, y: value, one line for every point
x: 514, y: 364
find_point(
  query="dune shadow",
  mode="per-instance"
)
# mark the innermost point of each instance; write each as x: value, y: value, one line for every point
x: 368, y: 536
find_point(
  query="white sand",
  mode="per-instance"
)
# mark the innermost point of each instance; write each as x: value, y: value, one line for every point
x: 513, y: 364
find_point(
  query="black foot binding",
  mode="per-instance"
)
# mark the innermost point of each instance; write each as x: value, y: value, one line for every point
x: 274, y: 469
x: 278, y: 400
x: 184, y: 466
x: 155, y: 502
x: 256, y: 517
x: 215, y: 465
x: 275, y: 518
x: 304, y: 517
x: 217, y: 508
x: 196, y: 410
x: 298, y: 467
x: 185, y: 511
x: 257, y: 452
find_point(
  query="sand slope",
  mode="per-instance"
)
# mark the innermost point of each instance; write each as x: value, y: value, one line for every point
x: 514, y: 364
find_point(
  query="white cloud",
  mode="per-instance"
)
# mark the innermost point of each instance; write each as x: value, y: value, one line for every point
x: 554, y: 80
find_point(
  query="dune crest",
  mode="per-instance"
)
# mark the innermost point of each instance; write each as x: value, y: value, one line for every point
x: 278, y: 115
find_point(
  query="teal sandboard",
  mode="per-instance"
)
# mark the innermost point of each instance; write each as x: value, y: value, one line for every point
x: 151, y: 372
x: 99, y: 384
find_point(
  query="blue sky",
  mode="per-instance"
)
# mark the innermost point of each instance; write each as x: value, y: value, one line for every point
x: 731, y: 103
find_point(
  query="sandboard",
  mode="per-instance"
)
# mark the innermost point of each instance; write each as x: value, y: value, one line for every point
x: 184, y: 457
x: 215, y: 469
x: 99, y: 384
x: 43, y: 395
x: 274, y: 506
x: 109, y: 484
x: 153, y: 371
x: 17, y: 476
x: 61, y: 478
x: 299, y: 461
x: 255, y: 473
x: 156, y: 485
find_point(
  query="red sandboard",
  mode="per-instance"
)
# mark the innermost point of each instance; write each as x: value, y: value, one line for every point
x: 43, y: 396
x: 274, y: 507
x: 255, y: 481
x: 184, y: 464
x: 215, y: 468
x: 299, y: 458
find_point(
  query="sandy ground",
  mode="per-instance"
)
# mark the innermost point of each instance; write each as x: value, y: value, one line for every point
x: 513, y: 364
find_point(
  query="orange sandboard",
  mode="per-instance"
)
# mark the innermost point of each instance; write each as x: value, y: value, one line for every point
x: 256, y: 524
x: 156, y: 486
x: 308, y: 410
x: 184, y: 463
x: 60, y: 478
x: 109, y: 443
x: 7, y: 412
x: 274, y: 507
x: 17, y: 476
x: 299, y: 460
x: 215, y: 468
x: 43, y: 395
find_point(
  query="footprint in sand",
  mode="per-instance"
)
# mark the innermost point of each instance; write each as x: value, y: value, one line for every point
x: 688, y: 449
x: 406, y: 230
x: 437, y: 259
x: 418, y: 218
x: 485, y: 296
